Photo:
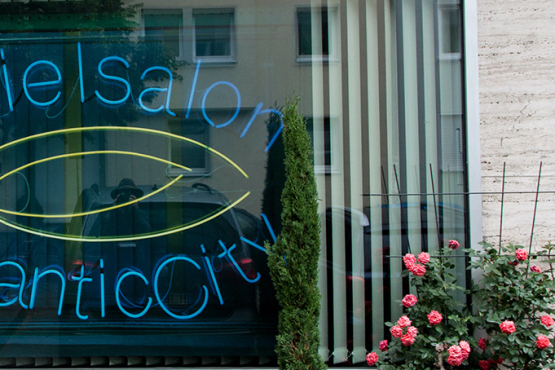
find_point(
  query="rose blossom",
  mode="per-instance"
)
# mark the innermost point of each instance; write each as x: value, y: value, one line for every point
x: 383, y: 346
x: 513, y: 263
x: 543, y: 342
x: 499, y: 361
x: 453, y: 244
x: 455, y: 356
x: 371, y: 358
x: 412, y: 331
x: 521, y: 255
x: 409, y: 300
x: 454, y: 361
x: 423, y: 258
x: 535, y: 269
x: 409, y: 260
x: 482, y: 344
x: 396, y: 331
x: 404, y: 321
x: 484, y: 365
x: 547, y: 321
x: 418, y: 270
x: 407, y: 339
x: 465, y: 349
x: 507, y: 327
x: 434, y: 318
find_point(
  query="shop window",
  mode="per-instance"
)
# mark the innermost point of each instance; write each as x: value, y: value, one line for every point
x: 214, y: 38
x: 321, y: 47
x: 195, y: 156
x: 449, y: 32
x: 164, y: 26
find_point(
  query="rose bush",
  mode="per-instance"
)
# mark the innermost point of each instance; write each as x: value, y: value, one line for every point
x: 435, y: 330
x: 514, y: 304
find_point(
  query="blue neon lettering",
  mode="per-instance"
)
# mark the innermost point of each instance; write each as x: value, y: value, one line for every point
x: 257, y: 112
x: 82, y: 87
x: 81, y: 280
x: 36, y: 278
x: 113, y: 78
x: 14, y: 286
x: 203, y: 105
x: 102, y: 299
x: 237, y: 266
x: 213, y: 281
x: 253, y: 244
x: 193, y: 87
x: 267, y: 222
x: 157, y: 89
x: 157, y: 294
x: 7, y: 80
x: 144, y: 311
x: 42, y: 84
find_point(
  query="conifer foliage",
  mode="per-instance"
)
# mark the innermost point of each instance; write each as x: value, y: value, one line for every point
x: 293, y: 259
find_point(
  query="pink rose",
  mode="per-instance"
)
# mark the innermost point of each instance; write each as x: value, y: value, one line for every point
x: 371, y: 358
x: 455, y: 356
x: 513, y: 263
x: 412, y: 331
x: 543, y: 342
x: 484, y: 365
x: 453, y: 244
x: 454, y: 361
x: 423, y: 258
x: 409, y: 260
x: 407, y: 340
x: 465, y: 349
x: 404, y: 321
x: 547, y: 321
x: 536, y: 269
x: 383, y: 346
x: 396, y: 331
x: 507, y: 327
x: 482, y: 344
x: 418, y: 270
x: 409, y: 300
x: 434, y: 318
x: 521, y: 255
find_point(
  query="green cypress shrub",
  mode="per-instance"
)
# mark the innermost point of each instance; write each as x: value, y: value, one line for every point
x: 293, y: 259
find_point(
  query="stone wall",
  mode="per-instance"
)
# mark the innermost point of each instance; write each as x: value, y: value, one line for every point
x: 516, y: 42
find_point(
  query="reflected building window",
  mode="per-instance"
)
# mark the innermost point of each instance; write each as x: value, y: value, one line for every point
x: 315, y: 33
x: 449, y: 31
x: 214, y: 35
x: 164, y: 26
x: 196, y: 157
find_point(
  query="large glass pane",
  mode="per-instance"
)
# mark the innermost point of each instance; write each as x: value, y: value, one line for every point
x: 142, y: 164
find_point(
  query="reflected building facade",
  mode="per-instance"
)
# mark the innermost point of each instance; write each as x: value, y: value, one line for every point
x: 184, y: 99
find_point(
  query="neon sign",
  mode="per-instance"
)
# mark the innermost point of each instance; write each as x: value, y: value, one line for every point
x: 25, y: 288
x: 84, y: 277
x: 34, y: 80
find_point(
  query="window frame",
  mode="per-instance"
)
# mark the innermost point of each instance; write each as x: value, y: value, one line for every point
x: 222, y: 59
x: 165, y: 11
x: 195, y: 171
x: 442, y: 8
x: 333, y: 32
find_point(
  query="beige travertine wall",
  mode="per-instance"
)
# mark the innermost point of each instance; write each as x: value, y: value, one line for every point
x: 517, y: 90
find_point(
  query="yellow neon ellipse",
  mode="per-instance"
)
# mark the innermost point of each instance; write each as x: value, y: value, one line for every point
x: 116, y: 128
x: 124, y: 239
x: 78, y: 154
x: 98, y: 210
